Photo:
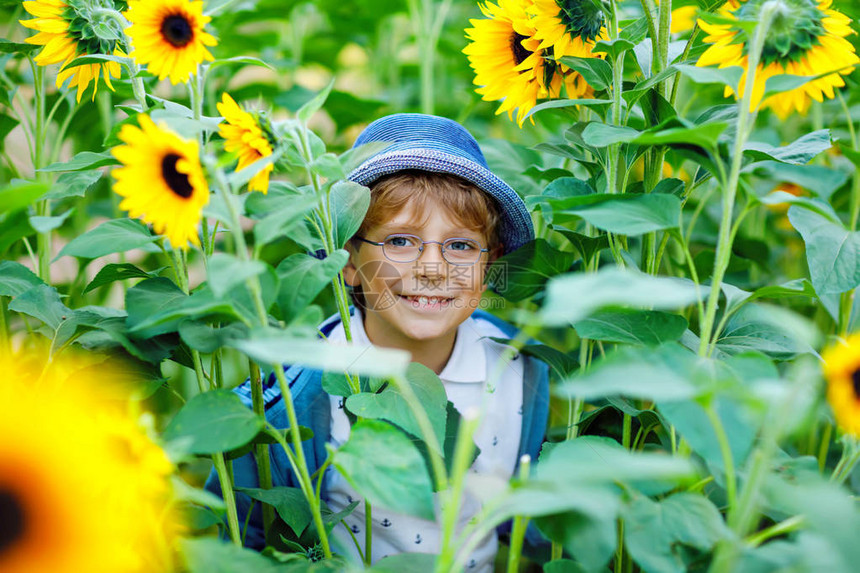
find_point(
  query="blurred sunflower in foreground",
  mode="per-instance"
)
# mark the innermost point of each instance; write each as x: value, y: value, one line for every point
x: 842, y: 370
x: 246, y: 134
x: 168, y: 37
x: 162, y: 180
x: 806, y: 38
x: 68, y: 31
x: 82, y: 486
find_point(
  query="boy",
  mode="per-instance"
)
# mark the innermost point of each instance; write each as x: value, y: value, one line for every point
x: 437, y: 218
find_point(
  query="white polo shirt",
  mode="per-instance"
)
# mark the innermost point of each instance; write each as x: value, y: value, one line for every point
x: 472, y: 363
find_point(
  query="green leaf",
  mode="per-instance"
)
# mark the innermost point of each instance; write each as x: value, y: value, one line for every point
x: 599, y: 134
x: 7, y: 124
x: 641, y: 327
x: 612, y: 48
x: 314, y: 105
x: 704, y: 135
x: 97, y: 59
x: 152, y: 297
x: 202, y: 302
x: 278, y: 223
x: 215, y: 421
x: 630, y: 214
x: 7, y: 47
x: 832, y: 252
x: 390, y: 404
x: 655, y: 374
x: 74, y: 184
x: 522, y: 273
x: 115, y: 236
x: 820, y: 180
x: 776, y: 332
x: 48, y: 224
x: 19, y: 195
x: 572, y: 297
x: 729, y: 76
x: 400, y: 562
x: 599, y: 105
x: 289, y: 502
x: 42, y: 302
x: 593, y: 538
x: 595, y: 71
x: 692, y: 423
x: 303, y: 277
x: 653, y: 529
x: 112, y: 272
x: 595, y: 460
x: 798, y: 152
x: 84, y: 160
x: 239, y: 178
x: 271, y: 346
x: 349, y: 204
x: 204, y: 338
x: 227, y: 272
x: 383, y: 465
x: 784, y: 198
x: 239, y: 60
x: 563, y: 364
x: 16, y: 279
x: 328, y: 166
x: 211, y: 555
x: 586, y: 246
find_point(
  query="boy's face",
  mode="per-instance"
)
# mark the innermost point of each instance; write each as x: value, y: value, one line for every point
x: 396, y: 315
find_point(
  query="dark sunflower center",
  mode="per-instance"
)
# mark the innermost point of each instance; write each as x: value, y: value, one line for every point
x: 796, y: 28
x: 520, y: 53
x: 582, y: 18
x: 12, y: 520
x: 93, y: 34
x: 177, y: 30
x: 855, y: 378
x: 178, y: 182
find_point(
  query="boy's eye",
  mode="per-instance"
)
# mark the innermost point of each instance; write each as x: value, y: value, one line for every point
x: 461, y: 245
x: 400, y: 241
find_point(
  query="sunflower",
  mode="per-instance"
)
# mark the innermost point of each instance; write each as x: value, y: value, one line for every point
x: 246, y: 135
x: 568, y: 27
x: 66, y: 32
x: 162, y: 180
x: 508, y: 61
x: 683, y: 19
x: 168, y: 36
x: 806, y: 38
x: 70, y: 498
x: 842, y: 370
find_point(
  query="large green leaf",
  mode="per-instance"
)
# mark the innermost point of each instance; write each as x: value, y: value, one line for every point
x: 391, y: 405
x: 74, y: 184
x: 643, y: 327
x: 215, y: 421
x: 271, y: 346
x: 832, y: 252
x: 822, y: 181
x: 599, y: 134
x: 592, y: 538
x: 16, y: 279
x: 798, y: 152
x: 279, y: 222
x: 289, y: 502
x: 630, y: 214
x: 518, y: 275
x: 20, y: 194
x: 42, y: 302
x: 117, y: 272
x: 303, y: 277
x: 211, y: 555
x: 595, y: 71
x: 384, y: 466
x: 115, y: 236
x: 349, y: 203
x: 400, y: 562
x: 777, y: 332
x: 227, y: 272
x: 660, y: 374
x: 152, y: 297
x: 573, y: 297
x: 84, y: 160
x: 652, y: 530
x: 729, y: 76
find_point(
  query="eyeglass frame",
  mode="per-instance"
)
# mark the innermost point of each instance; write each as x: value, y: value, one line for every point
x: 421, y: 248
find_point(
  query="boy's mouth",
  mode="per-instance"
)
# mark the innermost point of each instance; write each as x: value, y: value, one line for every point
x: 426, y: 302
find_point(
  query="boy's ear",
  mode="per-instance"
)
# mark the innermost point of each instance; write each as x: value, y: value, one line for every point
x: 350, y: 273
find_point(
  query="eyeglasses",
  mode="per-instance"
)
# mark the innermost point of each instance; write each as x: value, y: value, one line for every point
x: 403, y: 248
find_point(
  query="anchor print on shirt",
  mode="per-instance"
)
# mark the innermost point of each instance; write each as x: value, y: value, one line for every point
x: 520, y: 411
x: 472, y: 564
x: 354, y: 528
x: 385, y: 523
x: 418, y: 539
x: 495, y: 440
x: 340, y: 404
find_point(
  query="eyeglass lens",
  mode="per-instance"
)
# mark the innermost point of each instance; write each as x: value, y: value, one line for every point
x: 407, y: 248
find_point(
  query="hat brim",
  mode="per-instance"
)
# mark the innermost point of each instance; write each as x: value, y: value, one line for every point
x: 516, y: 225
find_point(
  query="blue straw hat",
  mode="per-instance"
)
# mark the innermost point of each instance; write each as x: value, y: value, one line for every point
x: 440, y: 145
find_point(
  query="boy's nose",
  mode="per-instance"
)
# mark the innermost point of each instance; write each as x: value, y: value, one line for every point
x: 431, y: 261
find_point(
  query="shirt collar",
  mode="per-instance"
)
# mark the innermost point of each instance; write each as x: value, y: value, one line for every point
x: 468, y: 361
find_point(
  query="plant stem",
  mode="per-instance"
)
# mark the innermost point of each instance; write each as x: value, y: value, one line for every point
x: 745, y: 117
x: 261, y: 454
x: 614, y: 154
x: 229, y: 498
x: 518, y: 531
x: 781, y: 528
x: 850, y: 458
x: 368, y: 533
x: 725, y: 452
